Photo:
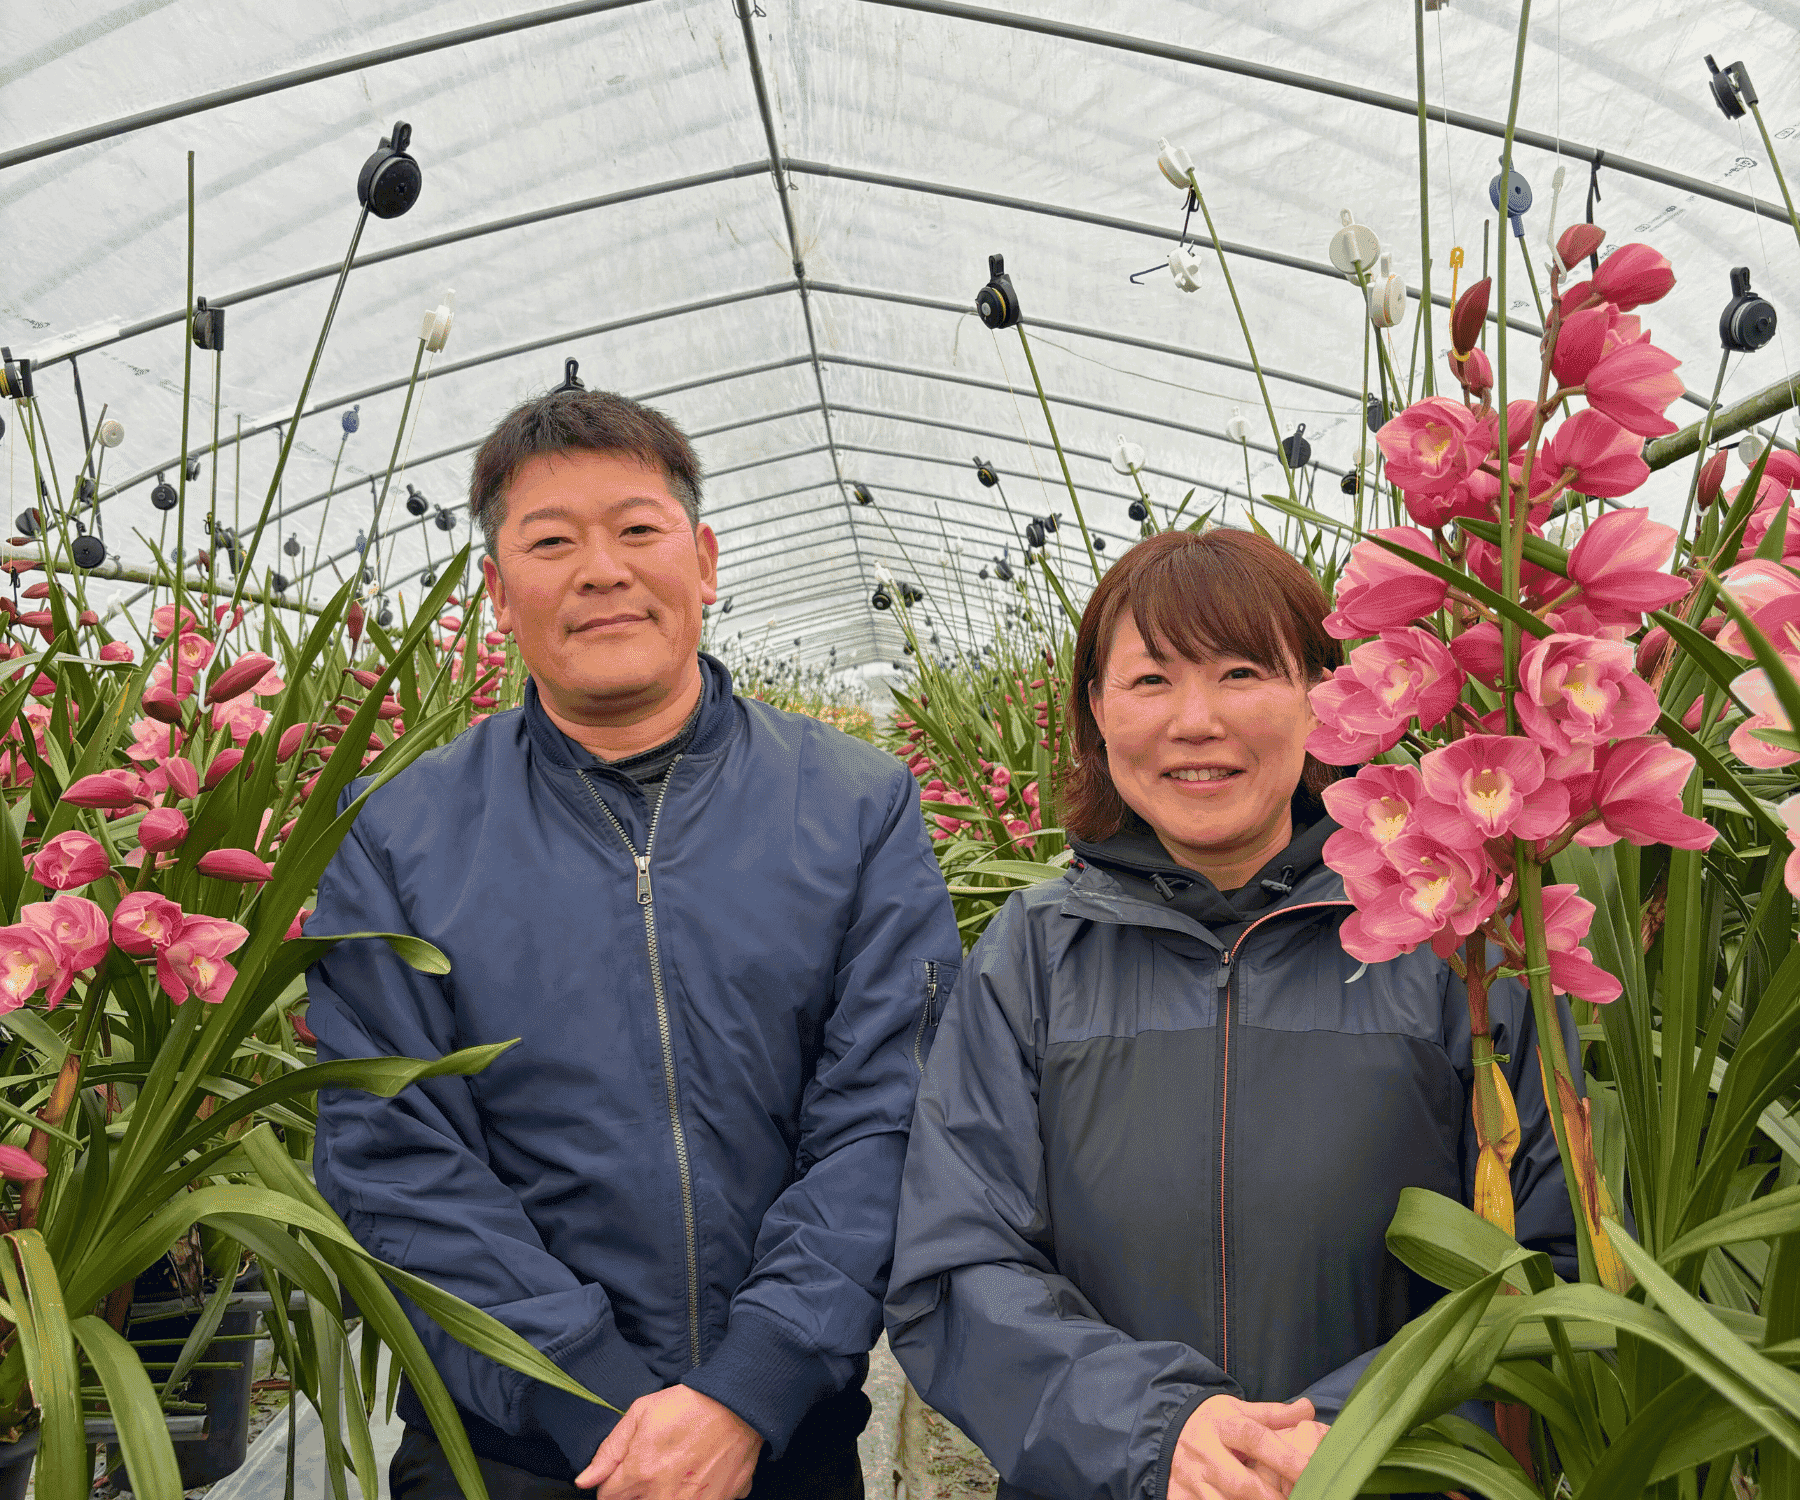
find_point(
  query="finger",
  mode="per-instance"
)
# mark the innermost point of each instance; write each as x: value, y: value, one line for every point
x: 611, y: 1452
x: 1225, y: 1470
x: 1273, y: 1451
x: 1277, y: 1414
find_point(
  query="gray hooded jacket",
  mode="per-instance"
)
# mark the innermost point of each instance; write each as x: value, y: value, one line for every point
x: 1155, y: 1153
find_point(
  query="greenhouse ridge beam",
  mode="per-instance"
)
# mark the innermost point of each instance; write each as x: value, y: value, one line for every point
x: 298, y: 77
x: 745, y: 9
x: 1353, y: 93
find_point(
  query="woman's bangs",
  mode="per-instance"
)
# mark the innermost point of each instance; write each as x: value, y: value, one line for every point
x: 1189, y: 605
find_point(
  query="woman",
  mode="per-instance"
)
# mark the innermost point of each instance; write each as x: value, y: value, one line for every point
x: 1167, y: 1119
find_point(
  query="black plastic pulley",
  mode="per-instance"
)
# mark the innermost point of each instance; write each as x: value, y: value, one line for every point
x: 997, y: 303
x: 163, y: 497
x: 984, y: 471
x: 1034, y: 533
x: 390, y: 180
x: 1296, y: 449
x: 571, y: 381
x: 88, y: 551
x: 983, y: 573
x: 193, y: 468
x: 1348, y: 483
x: 416, y: 504
x: 362, y: 542
x: 351, y: 419
x: 1138, y: 511
x: 30, y: 522
x: 428, y: 577
x: 384, y: 616
x: 278, y: 583
x: 209, y: 326
x: 444, y: 520
x: 291, y: 546
x: 1748, y: 321
x: 1518, y: 200
x: 1003, y: 569
x: 84, y: 489
x: 880, y: 598
x: 864, y: 495
x: 1050, y: 522
x: 1375, y: 413
x: 1731, y: 88
x: 725, y: 608
x: 911, y: 593
x: 15, y: 376
x: 1099, y: 544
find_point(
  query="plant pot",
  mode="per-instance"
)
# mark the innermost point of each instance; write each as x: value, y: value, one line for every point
x: 15, y: 1466
x: 225, y: 1393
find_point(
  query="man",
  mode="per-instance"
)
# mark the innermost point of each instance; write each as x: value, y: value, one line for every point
x: 721, y: 935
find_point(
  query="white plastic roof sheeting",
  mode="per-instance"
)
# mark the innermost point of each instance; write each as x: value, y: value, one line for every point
x: 885, y: 118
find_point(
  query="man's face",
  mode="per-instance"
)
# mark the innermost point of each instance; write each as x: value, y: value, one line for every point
x: 600, y: 579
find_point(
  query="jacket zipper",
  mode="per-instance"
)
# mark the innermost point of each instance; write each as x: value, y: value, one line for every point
x: 645, y: 899
x: 1223, y: 981
x: 931, y: 985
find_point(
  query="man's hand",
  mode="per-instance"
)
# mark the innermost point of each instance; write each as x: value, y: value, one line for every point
x: 675, y: 1445
x: 1242, y: 1450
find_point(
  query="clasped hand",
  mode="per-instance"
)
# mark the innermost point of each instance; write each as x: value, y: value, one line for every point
x: 675, y: 1444
x: 1243, y: 1450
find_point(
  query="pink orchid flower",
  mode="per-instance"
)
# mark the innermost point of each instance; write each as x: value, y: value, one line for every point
x: 242, y: 717
x: 240, y: 677
x: 1762, y: 521
x: 1634, y: 386
x: 1618, y: 563
x: 117, y: 651
x: 223, y: 764
x: 144, y: 923
x: 162, y: 620
x: 195, y: 963
x: 162, y: 829
x: 1375, y: 807
x: 1366, y: 705
x: 1432, y: 893
x: 1636, y: 788
x: 151, y: 741
x: 77, y: 930
x: 1790, y: 872
x: 1379, y: 590
x: 19, y: 1165
x: 1433, y: 445
x: 183, y: 778
x: 112, y: 790
x: 1587, y: 337
x: 1598, y: 455
x: 1578, y: 691
x: 1572, y: 968
x: 28, y: 961
x: 239, y: 865
x: 1633, y: 275
x: 1488, y: 786
x: 69, y: 861
x: 1479, y: 651
x: 1476, y: 497
x: 1757, y: 693
x: 1537, y: 586
x: 1754, y: 585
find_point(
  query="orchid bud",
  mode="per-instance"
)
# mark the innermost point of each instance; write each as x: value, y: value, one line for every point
x: 163, y: 829
x: 1468, y: 315
x: 223, y: 764
x: 1712, y: 478
x: 363, y: 677
x: 242, y: 675
x: 353, y: 624
x: 291, y: 739
x: 238, y: 865
x: 112, y: 790
x: 183, y: 776
x: 1577, y: 243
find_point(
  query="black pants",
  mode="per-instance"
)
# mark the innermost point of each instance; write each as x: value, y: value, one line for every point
x: 821, y: 1463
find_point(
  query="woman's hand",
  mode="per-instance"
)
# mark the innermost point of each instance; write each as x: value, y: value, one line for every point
x: 1243, y: 1450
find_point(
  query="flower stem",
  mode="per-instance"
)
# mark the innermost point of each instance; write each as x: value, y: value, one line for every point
x: 1056, y: 442
x: 1775, y: 165
x: 1424, y: 194
x: 187, y: 380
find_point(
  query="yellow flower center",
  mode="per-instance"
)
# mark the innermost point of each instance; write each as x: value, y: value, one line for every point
x: 1387, y: 819
x: 1489, y: 793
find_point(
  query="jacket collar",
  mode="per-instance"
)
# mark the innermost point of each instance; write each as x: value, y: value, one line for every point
x: 712, y: 732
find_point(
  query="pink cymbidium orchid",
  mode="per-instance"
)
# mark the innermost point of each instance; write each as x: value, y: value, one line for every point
x: 1596, y: 455
x: 69, y: 861
x: 1572, y: 968
x: 1754, y: 585
x: 29, y: 960
x: 1634, y: 385
x: 1478, y: 651
x: 1379, y: 590
x: 1757, y: 693
x: 110, y: 791
x: 1402, y: 675
x: 1618, y: 564
x: 1429, y: 893
x: 1375, y: 807
x: 144, y: 923
x: 195, y: 963
x: 1433, y: 445
x: 1488, y: 786
x: 77, y: 929
x: 1635, y: 793
x: 1790, y: 872
x: 1587, y: 337
x: 163, y: 829
x: 241, y: 717
x: 1576, y: 691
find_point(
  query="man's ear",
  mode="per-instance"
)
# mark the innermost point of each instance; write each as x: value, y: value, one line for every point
x: 496, y: 587
x: 706, y: 544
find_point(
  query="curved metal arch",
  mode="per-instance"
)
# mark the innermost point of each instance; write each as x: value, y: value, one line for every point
x: 1353, y: 93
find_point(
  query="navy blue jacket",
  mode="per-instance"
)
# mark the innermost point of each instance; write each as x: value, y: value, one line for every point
x: 688, y: 1169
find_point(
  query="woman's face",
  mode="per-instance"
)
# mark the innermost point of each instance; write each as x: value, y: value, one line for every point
x: 1207, y: 753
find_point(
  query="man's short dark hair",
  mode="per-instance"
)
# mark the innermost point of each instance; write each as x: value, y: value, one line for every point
x: 574, y: 421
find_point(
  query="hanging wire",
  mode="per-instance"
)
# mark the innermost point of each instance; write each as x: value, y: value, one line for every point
x: 1744, y: 152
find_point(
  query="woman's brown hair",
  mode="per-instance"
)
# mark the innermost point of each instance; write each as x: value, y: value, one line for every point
x: 1212, y: 593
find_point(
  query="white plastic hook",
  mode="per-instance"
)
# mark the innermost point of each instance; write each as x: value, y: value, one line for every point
x: 1353, y: 245
x: 1184, y: 266
x: 1750, y: 448
x: 112, y: 433
x: 1387, y: 295
x: 1174, y: 163
x: 435, y: 330
x: 1556, y: 187
x: 1127, y: 457
x: 1236, y: 428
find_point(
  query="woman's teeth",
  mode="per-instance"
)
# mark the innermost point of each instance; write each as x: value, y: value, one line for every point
x: 1207, y: 773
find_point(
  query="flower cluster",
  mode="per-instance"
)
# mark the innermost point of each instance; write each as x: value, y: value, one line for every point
x: 1430, y: 842
x: 53, y: 941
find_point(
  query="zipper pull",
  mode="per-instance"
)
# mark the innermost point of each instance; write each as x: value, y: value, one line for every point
x: 643, y: 878
x: 931, y: 987
x: 1223, y: 978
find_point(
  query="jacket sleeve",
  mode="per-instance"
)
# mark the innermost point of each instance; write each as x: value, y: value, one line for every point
x: 810, y: 1308
x: 1542, y: 1216
x: 410, y: 1177
x: 991, y: 1335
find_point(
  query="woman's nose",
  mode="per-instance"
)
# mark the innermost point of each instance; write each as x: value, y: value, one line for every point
x: 1196, y: 714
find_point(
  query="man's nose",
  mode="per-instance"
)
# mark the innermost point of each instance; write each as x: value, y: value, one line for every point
x: 599, y: 567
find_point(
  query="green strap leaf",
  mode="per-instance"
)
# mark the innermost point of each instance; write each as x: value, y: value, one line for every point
x: 48, y: 1347
x: 1449, y: 1244
x: 1762, y: 1218
x: 132, y: 1403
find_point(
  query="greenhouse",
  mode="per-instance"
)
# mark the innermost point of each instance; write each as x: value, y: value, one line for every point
x: 799, y: 749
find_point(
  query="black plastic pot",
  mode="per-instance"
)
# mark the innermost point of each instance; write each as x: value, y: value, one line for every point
x: 226, y: 1393
x: 15, y: 1466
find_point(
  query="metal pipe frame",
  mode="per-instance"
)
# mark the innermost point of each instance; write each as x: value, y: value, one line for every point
x: 276, y: 82
x: 1353, y: 93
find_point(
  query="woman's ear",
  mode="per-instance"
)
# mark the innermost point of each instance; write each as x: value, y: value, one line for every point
x: 1097, y: 706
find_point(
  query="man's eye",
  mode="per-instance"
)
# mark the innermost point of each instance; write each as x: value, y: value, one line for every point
x: 548, y: 541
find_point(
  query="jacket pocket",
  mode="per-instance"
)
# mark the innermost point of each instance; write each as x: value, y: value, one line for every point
x: 934, y: 980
